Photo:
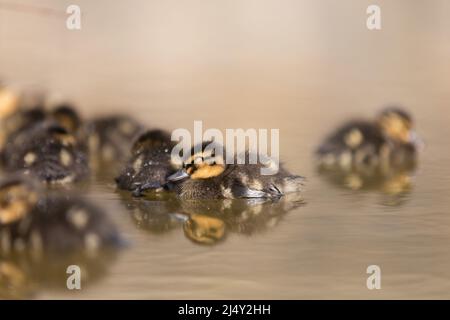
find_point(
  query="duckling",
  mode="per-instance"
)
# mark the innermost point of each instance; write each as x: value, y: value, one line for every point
x: 206, y: 176
x: 110, y: 139
x: 390, y: 139
x: 50, y: 223
x: 46, y: 151
x: 149, y: 165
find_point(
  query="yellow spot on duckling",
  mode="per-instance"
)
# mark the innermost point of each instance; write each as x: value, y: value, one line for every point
x: 65, y: 157
x: 29, y: 158
x: 354, y: 138
x: 65, y: 139
x: 205, y: 171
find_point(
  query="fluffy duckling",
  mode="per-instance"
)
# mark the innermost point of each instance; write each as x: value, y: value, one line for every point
x: 149, y: 165
x: 110, y: 139
x: 25, y: 119
x: 52, y: 223
x: 206, y: 176
x: 46, y: 151
x: 390, y: 139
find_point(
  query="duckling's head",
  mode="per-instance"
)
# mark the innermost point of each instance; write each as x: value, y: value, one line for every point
x: 151, y: 139
x: 397, y: 124
x: 17, y: 199
x: 204, y: 162
x: 67, y: 117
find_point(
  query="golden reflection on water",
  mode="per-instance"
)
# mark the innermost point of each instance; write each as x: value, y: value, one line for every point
x: 208, y: 222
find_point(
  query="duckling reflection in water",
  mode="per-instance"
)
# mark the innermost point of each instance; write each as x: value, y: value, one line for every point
x: 40, y: 235
x: 149, y: 164
x: 48, y: 152
x: 18, y: 113
x: 372, y: 156
x: 206, y: 176
x: 52, y: 223
x: 25, y: 276
x: 209, y: 221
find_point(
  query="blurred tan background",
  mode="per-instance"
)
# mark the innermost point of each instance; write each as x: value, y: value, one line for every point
x: 237, y: 54
x: 296, y: 65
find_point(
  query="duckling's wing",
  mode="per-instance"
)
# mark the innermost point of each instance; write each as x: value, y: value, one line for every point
x: 240, y: 191
x: 251, y: 193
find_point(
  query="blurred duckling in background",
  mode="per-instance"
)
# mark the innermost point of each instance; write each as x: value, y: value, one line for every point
x: 388, y: 141
x: 21, y: 113
x: 149, y: 165
x: 50, y: 224
x: 109, y: 139
x: 206, y: 176
x: 48, y: 152
x: 372, y: 156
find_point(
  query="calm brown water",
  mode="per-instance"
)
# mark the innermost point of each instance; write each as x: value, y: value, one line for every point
x: 300, y: 66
